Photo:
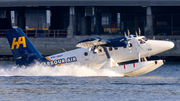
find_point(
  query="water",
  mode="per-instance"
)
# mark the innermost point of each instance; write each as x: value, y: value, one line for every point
x: 73, y: 83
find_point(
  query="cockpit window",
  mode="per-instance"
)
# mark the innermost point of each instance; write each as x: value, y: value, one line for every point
x: 144, y: 38
x: 141, y: 41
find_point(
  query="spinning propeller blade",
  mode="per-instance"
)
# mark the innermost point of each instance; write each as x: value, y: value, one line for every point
x: 125, y: 34
x: 139, y: 31
x: 136, y: 33
x: 128, y: 33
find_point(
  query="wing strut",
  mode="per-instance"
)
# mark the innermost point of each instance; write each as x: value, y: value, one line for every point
x: 110, y: 62
x: 107, y: 53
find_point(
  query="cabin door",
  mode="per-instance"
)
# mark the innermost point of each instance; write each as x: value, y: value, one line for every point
x: 86, y: 58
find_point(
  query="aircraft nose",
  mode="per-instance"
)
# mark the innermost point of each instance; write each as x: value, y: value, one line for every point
x: 171, y: 45
x: 167, y: 45
x: 161, y: 46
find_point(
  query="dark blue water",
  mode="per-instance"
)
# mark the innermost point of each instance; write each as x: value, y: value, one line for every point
x: 39, y: 83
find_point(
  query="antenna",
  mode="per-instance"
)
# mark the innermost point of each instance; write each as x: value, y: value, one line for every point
x: 64, y: 50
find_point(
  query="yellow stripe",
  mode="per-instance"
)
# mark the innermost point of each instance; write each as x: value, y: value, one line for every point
x: 51, y: 60
x: 45, y: 28
x: 59, y: 64
x: 31, y: 28
x: 48, y: 58
x: 106, y: 29
x: 113, y: 28
x: 37, y: 29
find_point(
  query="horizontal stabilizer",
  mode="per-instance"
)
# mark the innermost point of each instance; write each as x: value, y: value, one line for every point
x: 26, y: 55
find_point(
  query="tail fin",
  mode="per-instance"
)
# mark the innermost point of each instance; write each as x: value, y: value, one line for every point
x: 23, y: 50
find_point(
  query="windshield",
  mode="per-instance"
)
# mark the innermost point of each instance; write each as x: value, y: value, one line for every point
x: 141, y: 41
x: 144, y: 38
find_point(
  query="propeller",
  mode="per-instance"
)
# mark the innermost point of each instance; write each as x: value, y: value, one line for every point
x: 128, y: 39
x: 139, y: 31
x: 128, y: 33
x: 129, y: 45
x: 125, y: 35
x: 136, y: 33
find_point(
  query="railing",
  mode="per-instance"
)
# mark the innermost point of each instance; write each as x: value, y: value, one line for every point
x: 2, y: 33
x: 107, y: 31
x: 167, y: 31
x: 162, y: 31
x: 41, y: 33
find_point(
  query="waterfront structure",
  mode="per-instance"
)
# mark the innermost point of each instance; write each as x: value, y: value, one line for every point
x: 88, y: 18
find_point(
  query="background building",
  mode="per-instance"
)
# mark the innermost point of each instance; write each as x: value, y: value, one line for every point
x: 105, y: 18
x: 89, y: 17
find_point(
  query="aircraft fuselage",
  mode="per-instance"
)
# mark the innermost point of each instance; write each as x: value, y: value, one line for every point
x: 95, y: 59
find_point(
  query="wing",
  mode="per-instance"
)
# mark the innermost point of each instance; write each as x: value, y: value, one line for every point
x: 92, y: 42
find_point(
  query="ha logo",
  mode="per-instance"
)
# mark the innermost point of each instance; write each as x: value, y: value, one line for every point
x: 21, y: 40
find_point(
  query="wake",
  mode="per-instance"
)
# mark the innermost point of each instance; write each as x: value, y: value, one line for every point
x: 40, y: 70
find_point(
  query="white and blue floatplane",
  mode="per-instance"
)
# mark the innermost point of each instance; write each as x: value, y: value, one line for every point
x: 95, y: 53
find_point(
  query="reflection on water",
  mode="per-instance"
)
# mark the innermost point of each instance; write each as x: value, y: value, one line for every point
x: 76, y: 83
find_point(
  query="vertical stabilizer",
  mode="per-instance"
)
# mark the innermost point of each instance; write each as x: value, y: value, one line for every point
x: 23, y: 50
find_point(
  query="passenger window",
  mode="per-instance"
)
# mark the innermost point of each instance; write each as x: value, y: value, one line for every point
x: 130, y: 45
x: 115, y: 48
x: 86, y: 54
x: 100, y: 50
x: 124, y: 46
x: 110, y: 48
x: 94, y: 52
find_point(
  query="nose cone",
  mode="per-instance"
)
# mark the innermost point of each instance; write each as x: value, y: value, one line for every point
x: 171, y: 45
x: 161, y: 46
x: 165, y: 45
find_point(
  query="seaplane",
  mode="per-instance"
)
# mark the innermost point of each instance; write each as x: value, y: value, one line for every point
x: 95, y: 53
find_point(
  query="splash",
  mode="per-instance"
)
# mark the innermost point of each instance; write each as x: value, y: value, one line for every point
x: 41, y: 70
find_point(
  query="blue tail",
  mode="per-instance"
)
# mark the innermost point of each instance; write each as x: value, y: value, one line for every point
x: 23, y: 50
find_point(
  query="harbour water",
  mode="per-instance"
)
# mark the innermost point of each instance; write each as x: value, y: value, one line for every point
x: 74, y: 83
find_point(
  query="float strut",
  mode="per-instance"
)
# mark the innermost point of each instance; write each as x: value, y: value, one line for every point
x: 145, y: 59
x: 139, y: 57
